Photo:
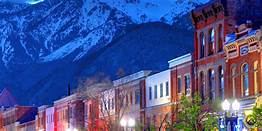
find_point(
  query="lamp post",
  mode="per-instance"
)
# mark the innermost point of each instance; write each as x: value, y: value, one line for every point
x: 130, y: 123
x: 230, y: 114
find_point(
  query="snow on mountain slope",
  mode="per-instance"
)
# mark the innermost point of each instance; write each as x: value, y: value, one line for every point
x: 52, y: 30
x: 40, y: 41
x: 142, y: 11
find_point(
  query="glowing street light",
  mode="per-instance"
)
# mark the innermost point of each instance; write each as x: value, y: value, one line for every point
x: 226, y: 105
x: 70, y: 129
x: 131, y: 122
x: 231, y: 114
x: 235, y: 105
x: 123, y: 122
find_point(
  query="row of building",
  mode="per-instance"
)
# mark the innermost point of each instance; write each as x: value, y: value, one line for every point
x: 226, y: 64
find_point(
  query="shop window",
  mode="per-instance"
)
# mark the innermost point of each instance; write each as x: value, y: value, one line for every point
x: 256, y: 77
x: 187, y: 85
x: 233, y: 77
x: 221, y: 82
x: 202, y: 86
x: 211, y: 80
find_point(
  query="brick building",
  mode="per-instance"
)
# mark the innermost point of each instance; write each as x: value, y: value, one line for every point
x: 40, y: 121
x: 212, y: 22
x: 69, y: 113
x: 19, y: 118
x: 182, y: 76
x: 50, y: 119
x: 158, y: 99
x: 243, y: 62
x: 91, y: 112
x: 130, y: 96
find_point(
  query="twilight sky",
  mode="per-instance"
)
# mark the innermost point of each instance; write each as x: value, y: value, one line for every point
x: 24, y: 1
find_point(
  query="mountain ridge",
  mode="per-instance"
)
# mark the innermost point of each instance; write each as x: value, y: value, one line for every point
x: 45, y: 46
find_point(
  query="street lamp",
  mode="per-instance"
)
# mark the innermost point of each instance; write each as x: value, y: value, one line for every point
x: 230, y: 114
x: 130, y: 123
x: 70, y: 129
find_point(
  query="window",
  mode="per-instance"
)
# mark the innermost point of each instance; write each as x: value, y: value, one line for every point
x: 155, y: 90
x: 131, y: 97
x: 211, y: 74
x: 220, y: 38
x: 161, y: 90
x: 221, y: 82
x: 179, y: 84
x: 86, y: 109
x: 211, y: 44
x: 113, y: 103
x: 167, y: 89
x: 245, y: 83
x: 108, y: 104
x: 202, y: 45
x: 126, y: 99
x: 256, y: 77
x: 101, y: 106
x: 233, y: 76
x: 137, y: 94
x: 202, y: 86
x: 187, y: 85
x: 150, y: 93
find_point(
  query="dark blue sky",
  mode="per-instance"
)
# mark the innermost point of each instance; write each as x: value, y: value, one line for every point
x: 24, y: 1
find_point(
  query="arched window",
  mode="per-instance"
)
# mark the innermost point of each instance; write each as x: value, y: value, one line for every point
x: 202, y: 45
x: 221, y: 82
x: 211, y: 44
x: 220, y: 38
x: 245, y: 79
x: 256, y: 77
x: 202, y: 86
x: 211, y: 77
x: 233, y: 76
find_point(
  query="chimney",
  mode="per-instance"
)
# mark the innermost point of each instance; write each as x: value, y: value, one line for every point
x: 69, y: 89
x: 249, y: 23
x: 236, y: 29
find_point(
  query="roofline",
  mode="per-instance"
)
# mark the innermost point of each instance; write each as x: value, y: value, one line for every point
x: 132, y: 77
x: 180, y: 60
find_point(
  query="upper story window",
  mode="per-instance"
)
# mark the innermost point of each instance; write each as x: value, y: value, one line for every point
x: 131, y: 97
x: 220, y: 38
x: 150, y: 93
x: 187, y: 84
x: 179, y: 84
x: 108, y: 104
x: 167, y: 88
x: 155, y: 91
x: 113, y: 103
x: 137, y: 98
x: 127, y: 100
x: 202, y: 45
x: 161, y: 90
x: 245, y: 80
x: 211, y: 44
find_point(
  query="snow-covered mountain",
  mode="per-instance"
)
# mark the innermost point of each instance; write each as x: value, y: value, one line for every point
x: 47, y: 33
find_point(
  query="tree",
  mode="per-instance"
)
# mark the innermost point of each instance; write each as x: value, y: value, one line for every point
x: 192, y: 116
x: 257, y: 114
x: 110, y: 101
